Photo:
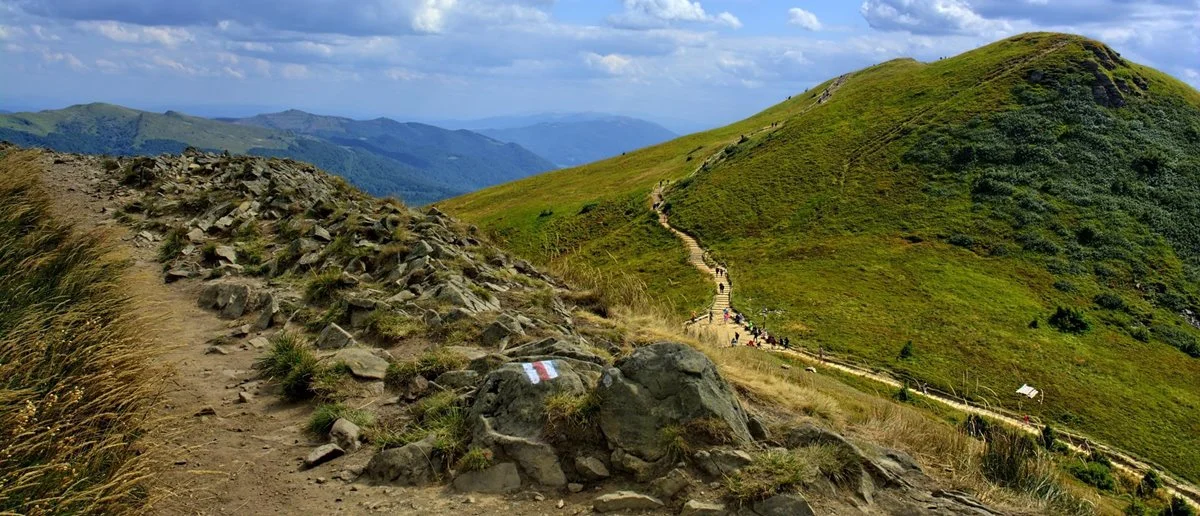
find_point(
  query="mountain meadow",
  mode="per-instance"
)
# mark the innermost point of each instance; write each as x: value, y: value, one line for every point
x: 1023, y: 213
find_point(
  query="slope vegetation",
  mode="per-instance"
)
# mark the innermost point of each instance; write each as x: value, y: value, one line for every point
x: 418, y: 163
x: 1022, y: 213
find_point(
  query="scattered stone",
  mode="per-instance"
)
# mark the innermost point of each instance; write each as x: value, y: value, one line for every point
x: 591, y: 468
x: 206, y: 411
x: 270, y: 308
x: 259, y: 342
x: 177, y: 274
x: 230, y: 298
x: 362, y: 363
x: 788, y: 504
x: 560, y: 504
x: 334, y: 337
x: 458, y: 379
x: 720, y: 462
x: 408, y: 465
x: 216, y: 350
x: 245, y: 397
x: 321, y: 233
x: 323, y: 454
x: 625, y: 501
x: 346, y: 434
x: 498, y: 479
x: 698, y: 508
x: 226, y: 252
x: 574, y: 487
x: 671, y: 484
x: 196, y: 236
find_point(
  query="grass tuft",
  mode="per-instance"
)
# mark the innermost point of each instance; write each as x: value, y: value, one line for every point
x: 323, y: 418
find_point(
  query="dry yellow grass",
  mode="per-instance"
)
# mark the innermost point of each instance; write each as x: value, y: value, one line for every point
x: 74, y: 385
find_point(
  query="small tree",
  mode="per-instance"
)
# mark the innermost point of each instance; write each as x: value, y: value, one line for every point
x: 1069, y: 320
x: 903, y: 396
x: 906, y: 352
x: 1049, y: 438
x: 1150, y: 483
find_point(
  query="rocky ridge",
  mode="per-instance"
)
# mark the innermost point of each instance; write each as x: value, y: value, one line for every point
x: 495, y: 377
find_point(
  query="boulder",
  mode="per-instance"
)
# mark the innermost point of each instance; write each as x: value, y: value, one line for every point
x: 625, y: 501
x: 321, y: 234
x: 362, y: 363
x: 413, y: 464
x: 508, y: 414
x: 498, y: 479
x: 323, y: 454
x: 663, y: 385
x: 698, y: 508
x: 334, y: 337
x: 591, y: 468
x: 266, y: 317
x: 788, y: 504
x: 346, y: 435
x: 460, y: 296
x: 642, y: 471
x: 499, y: 331
x: 195, y: 236
x: 722, y: 462
x: 419, y: 249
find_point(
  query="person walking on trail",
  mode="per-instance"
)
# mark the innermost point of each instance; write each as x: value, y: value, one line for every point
x: 710, y: 316
x: 693, y: 315
x: 726, y: 317
x: 721, y: 287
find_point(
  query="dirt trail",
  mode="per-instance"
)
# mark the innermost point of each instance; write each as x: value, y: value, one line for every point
x: 220, y: 456
x: 724, y: 333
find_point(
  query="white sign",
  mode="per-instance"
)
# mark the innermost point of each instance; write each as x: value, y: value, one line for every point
x: 1027, y: 391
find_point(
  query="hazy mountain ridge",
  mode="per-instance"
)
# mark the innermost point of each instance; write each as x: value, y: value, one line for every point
x: 418, y: 162
x: 576, y: 140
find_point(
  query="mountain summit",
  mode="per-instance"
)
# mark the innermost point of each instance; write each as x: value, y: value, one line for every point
x: 1023, y: 213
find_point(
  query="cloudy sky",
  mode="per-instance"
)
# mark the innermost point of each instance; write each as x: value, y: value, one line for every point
x: 681, y: 62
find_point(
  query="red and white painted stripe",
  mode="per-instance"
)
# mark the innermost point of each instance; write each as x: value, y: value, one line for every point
x: 540, y: 371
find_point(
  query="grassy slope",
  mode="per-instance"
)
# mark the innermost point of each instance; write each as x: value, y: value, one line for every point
x: 812, y: 218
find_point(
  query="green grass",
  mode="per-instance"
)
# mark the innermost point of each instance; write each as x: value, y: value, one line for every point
x: 949, y: 204
x: 292, y: 363
x: 429, y: 365
x: 77, y: 375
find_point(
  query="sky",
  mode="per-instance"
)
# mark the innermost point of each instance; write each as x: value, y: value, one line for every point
x: 685, y: 63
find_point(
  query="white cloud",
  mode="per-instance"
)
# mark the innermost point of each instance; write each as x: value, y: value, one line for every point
x: 939, y: 17
x: 64, y: 57
x: 166, y: 63
x: 293, y: 71
x: 233, y: 72
x: 402, y: 74
x: 8, y: 32
x: 613, y: 64
x: 643, y: 14
x: 44, y: 34
x: 126, y: 33
x: 430, y: 15
x: 801, y: 18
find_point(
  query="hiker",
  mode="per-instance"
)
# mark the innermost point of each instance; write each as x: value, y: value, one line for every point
x: 736, y: 337
x: 693, y: 319
x: 726, y: 316
x: 733, y: 341
x: 787, y: 343
x: 710, y: 317
x: 721, y: 287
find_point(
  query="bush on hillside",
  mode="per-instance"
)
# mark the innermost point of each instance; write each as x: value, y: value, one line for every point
x: 1069, y: 320
x: 1093, y: 473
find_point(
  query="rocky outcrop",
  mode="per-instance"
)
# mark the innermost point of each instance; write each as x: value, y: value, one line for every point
x: 664, y: 385
x: 413, y: 464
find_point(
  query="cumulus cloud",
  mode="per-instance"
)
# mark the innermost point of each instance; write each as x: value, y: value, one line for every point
x: 293, y: 71
x: 613, y: 64
x: 647, y: 14
x: 933, y: 17
x: 804, y: 19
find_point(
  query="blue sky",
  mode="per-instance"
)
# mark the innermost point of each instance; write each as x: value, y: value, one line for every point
x: 687, y: 63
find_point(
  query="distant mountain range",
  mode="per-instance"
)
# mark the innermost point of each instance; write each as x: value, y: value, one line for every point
x: 570, y: 139
x: 417, y: 162
x: 576, y: 141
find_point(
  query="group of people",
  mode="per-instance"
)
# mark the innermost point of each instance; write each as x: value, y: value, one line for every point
x: 759, y: 337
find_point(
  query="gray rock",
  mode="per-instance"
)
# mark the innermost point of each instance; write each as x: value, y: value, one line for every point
x: 362, y: 363
x: 498, y: 332
x: 642, y: 471
x: 231, y: 299
x: 266, y: 317
x: 346, y: 435
x: 196, y: 235
x: 259, y: 342
x: 419, y: 249
x: 789, y: 504
x: 551, y: 348
x: 245, y: 397
x: 625, y: 501
x: 671, y: 484
x: 462, y: 297
x: 321, y: 233
x: 323, y: 454
x: 498, y: 479
x: 508, y: 415
x: 334, y: 337
x: 758, y: 430
x: 458, y: 379
x: 698, y: 508
x: 410, y: 465
x: 309, y: 259
x: 226, y: 252
x: 574, y: 487
x: 662, y: 385
x: 401, y: 298
x: 721, y: 462
x: 591, y: 468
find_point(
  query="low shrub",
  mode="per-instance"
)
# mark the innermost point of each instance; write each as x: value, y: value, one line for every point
x: 1069, y: 320
x: 475, y: 459
x: 173, y: 244
x: 429, y: 365
x: 292, y: 364
x: 1093, y: 473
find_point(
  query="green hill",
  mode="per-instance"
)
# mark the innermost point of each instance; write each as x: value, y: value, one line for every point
x: 418, y: 163
x: 1026, y: 212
